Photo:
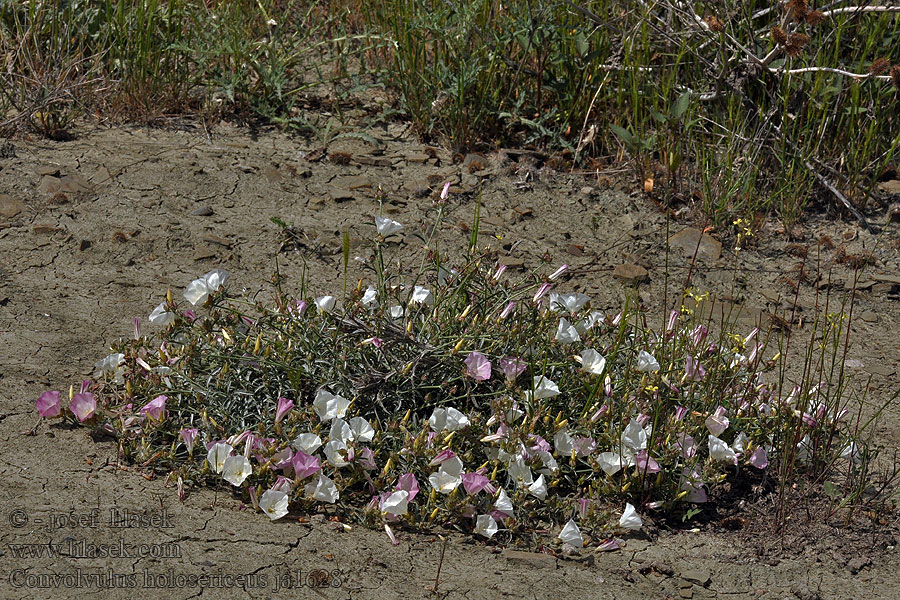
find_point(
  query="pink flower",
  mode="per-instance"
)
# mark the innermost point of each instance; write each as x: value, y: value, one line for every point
x: 83, y: 406
x: 512, y: 367
x: 584, y: 505
x: 442, y: 457
x: 408, y: 483
x: 680, y: 413
x: 474, y: 482
x: 478, y: 366
x: 542, y: 290
x: 305, y: 465
x: 759, y: 459
x: 558, y: 273
x: 155, y: 410
x: 48, y: 404
x: 584, y: 446
x: 693, y: 369
x: 366, y: 459
x: 189, y: 435
x: 507, y: 310
x: 284, y: 407
x: 645, y: 463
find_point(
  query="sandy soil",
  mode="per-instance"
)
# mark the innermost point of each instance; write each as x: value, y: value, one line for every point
x: 93, y: 231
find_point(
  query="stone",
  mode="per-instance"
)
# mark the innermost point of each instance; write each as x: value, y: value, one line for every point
x: 9, y: 206
x: 890, y: 187
x: 73, y: 183
x: 697, y: 576
x: 631, y: 273
x: 530, y: 559
x: 49, y: 184
x: 688, y: 240
x: 203, y: 211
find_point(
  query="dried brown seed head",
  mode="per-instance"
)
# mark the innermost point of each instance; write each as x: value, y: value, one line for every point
x: 779, y: 36
x: 880, y: 66
x: 895, y: 76
x: 714, y: 23
x: 798, y: 9
x: 815, y: 17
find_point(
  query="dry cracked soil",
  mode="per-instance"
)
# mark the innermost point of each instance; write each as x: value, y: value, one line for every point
x: 94, y: 230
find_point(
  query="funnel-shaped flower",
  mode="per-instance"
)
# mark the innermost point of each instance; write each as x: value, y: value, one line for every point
x: 543, y: 388
x: 566, y: 333
x: 478, y: 366
x: 447, y: 418
x: 503, y: 504
x: 571, y: 535
x: 217, y: 455
x: 408, y: 482
x: 329, y: 406
x: 48, y: 404
x: 305, y: 465
x: 592, y: 362
x: 386, y: 227
x: 512, y: 367
x: 155, y: 410
x: 325, y: 304
x: 485, y: 525
x: 396, y: 504
x: 646, y: 362
x: 630, y: 519
x: 274, y: 503
x: 421, y: 295
x: 160, y: 316
x: 83, y: 406
x: 283, y: 408
x: 323, y: 489
x: 307, y: 442
x: 189, y: 435
x: 236, y: 469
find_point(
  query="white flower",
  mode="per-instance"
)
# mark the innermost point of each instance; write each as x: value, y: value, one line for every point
x: 519, y: 472
x: 386, y: 226
x: 646, y: 362
x: 340, y: 431
x: 307, y: 442
x: 370, y: 297
x: 199, y: 290
x: 114, y: 365
x: 612, y: 462
x: 361, y: 429
x: 563, y: 443
x: 630, y: 519
x: 236, y: 469
x: 323, y: 489
x: 397, y: 312
x: 274, y: 503
x: 565, y: 333
x: 587, y: 323
x: 325, y: 304
x: 444, y: 275
x: 634, y: 437
x: 217, y: 455
x: 160, y: 316
x: 568, y: 302
x: 447, y: 418
x: 740, y: 442
x: 396, y: 504
x: 571, y: 535
x: 543, y: 388
x: 719, y: 450
x: 328, y: 405
x: 336, y: 452
x: 592, y: 362
x: 486, y: 526
x: 538, y: 488
x: 448, y: 476
x: 421, y: 295
x: 503, y: 503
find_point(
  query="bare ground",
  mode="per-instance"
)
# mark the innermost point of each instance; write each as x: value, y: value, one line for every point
x: 93, y: 231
